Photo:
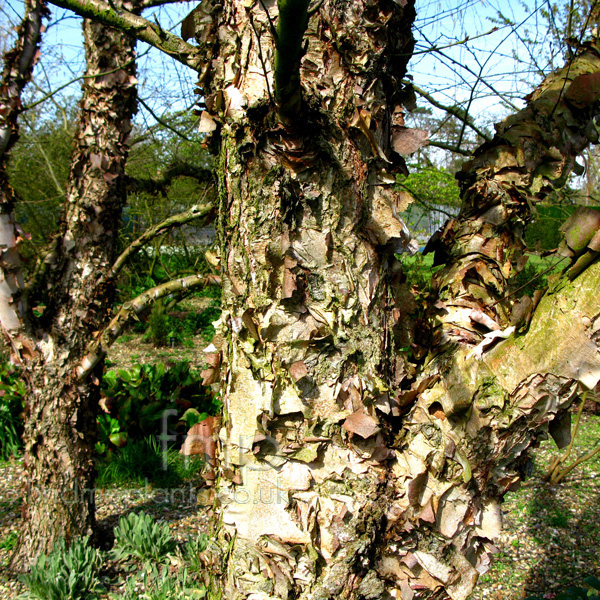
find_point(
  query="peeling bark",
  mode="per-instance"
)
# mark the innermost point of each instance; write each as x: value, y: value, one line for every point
x: 349, y: 466
x: 464, y: 443
x: 60, y: 410
x: 315, y: 308
x: 533, y: 152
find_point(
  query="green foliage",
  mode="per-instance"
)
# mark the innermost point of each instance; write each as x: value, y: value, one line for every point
x: 531, y: 278
x: 137, y: 399
x: 138, y: 536
x: 158, y: 325
x: 432, y: 186
x: 418, y: 270
x: 194, y: 322
x: 141, y: 461
x: 38, y: 170
x: 161, y: 586
x: 9, y: 542
x: 543, y: 233
x: 66, y: 573
x: 592, y: 592
x: 109, y: 431
x: 192, y: 551
x: 12, y: 393
x: 161, y: 327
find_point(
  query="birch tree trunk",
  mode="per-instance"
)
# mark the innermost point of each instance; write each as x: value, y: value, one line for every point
x: 362, y: 454
x: 60, y: 409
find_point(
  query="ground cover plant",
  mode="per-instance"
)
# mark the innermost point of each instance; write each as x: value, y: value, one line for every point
x: 140, y: 407
x: 136, y: 561
x: 590, y: 592
x: 138, y: 536
x: 12, y: 391
x: 67, y: 573
x: 146, y: 461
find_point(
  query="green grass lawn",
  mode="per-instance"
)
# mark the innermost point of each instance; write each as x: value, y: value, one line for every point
x: 552, y: 532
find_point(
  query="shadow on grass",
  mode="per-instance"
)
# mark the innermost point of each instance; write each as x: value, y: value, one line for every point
x: 564, y: 523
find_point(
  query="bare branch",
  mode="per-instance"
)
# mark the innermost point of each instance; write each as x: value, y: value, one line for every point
x: 55, y: 91
x: 153, y: 3
x: 450, y: 148
x: 455, y: 111
x: 196, y: 212
x: 293, y: 19
x: 163, y: 122
x: 113, y: 330
x: 138, y: 27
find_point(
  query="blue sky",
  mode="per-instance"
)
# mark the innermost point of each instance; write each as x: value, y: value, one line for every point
x: 482, y: 73
x: 496, y: 65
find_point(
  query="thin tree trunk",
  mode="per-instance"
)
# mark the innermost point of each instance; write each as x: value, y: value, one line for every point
x: 17, y: 72
x: 60, y: 409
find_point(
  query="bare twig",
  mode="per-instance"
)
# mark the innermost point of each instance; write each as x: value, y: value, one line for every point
x: 196, y: 212
x: 113, y: 330
x: 455, y: 111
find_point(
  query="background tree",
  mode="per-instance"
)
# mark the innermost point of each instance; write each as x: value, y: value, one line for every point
x: 73, y: 284
x: 60, y: 410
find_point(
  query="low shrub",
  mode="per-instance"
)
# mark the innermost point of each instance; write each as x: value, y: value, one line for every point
x: 149, y: 400
x: 66, y: 573
x: 192, y: 551
x: 159, y: 328
x: 138, y: 536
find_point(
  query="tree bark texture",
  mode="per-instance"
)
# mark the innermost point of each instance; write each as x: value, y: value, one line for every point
x: 360, y: 456
x: 60, y: 408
